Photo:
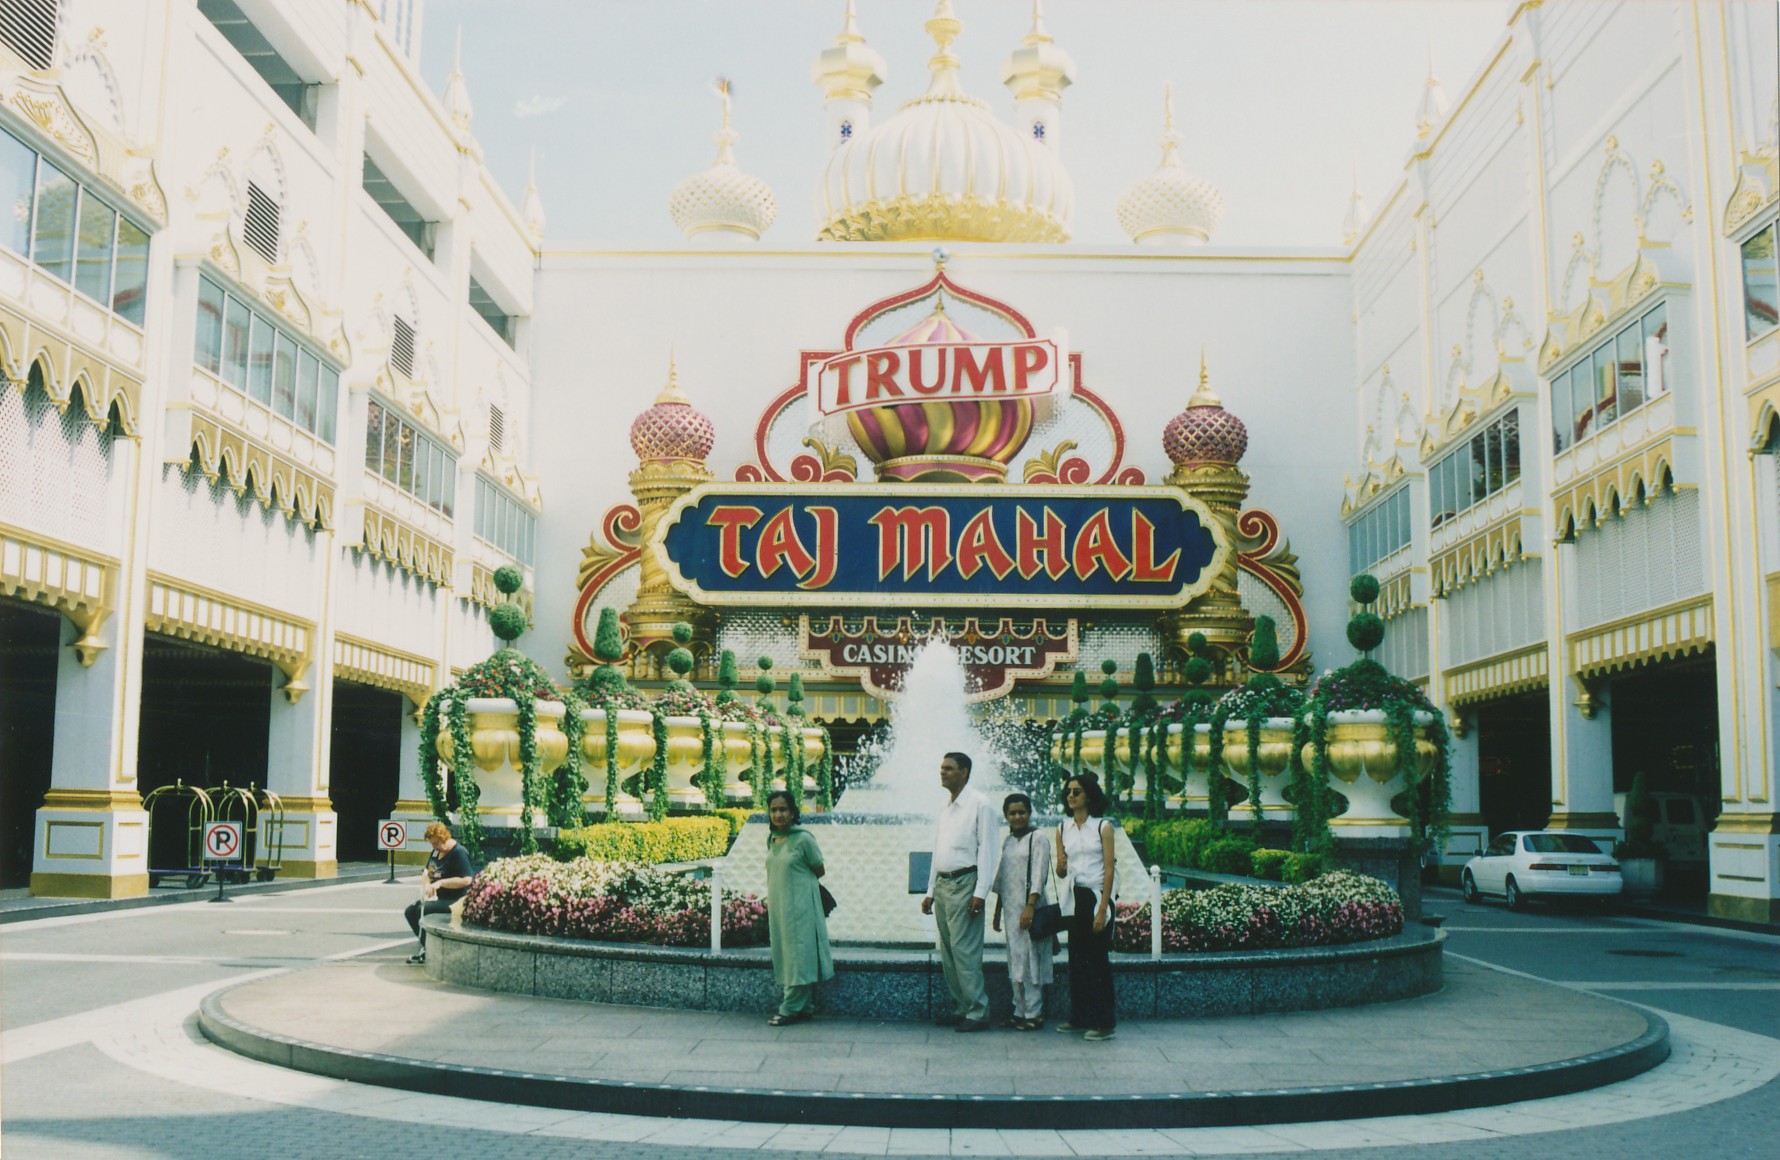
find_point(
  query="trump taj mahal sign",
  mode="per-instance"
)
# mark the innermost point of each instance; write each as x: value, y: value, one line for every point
x: 939, y: 546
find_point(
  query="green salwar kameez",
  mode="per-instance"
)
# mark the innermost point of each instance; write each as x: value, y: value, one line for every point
x: 801, y: 957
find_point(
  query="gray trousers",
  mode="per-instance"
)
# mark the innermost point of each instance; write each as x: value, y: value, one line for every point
x: 961, y: 944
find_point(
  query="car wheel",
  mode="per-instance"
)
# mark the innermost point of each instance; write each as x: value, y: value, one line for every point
x: 1470, y: 886
x: 1516, y: 899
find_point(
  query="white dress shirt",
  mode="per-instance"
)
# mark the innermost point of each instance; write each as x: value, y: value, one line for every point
x: 969, y: 834
x: 1086, y: 855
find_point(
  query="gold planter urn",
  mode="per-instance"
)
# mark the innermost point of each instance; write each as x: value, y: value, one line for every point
x: 1273, y: 755
x: 686, y: 761
x: 636, y: 749
x: 1362, y: 754
x: 494, y: 744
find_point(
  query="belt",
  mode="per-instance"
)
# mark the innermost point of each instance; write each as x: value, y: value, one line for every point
x: 955, y: 873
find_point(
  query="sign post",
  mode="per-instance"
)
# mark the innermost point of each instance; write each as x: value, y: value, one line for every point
x: 222, y: 843
x: 392, y: 835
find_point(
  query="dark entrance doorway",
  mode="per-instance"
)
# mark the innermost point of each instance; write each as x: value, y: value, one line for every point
x: 206, y: 719
x: 365, y: 765
x: 30, y: 641
x: 1514, y: 761
x: 1665, y: 725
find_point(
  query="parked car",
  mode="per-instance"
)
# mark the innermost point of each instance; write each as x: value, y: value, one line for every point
x: 1522, y: 864
x: 1678, y: 824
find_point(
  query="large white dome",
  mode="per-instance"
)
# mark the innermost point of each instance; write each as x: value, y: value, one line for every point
x: 944, y: 168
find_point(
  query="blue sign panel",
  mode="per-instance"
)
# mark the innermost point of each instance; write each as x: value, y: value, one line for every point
x: 873, y: 544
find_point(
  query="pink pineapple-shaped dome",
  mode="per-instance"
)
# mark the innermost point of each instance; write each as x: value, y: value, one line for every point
x: 1204, y: 432
x: 673, y: 428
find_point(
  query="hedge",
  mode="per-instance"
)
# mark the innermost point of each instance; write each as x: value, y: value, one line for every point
x: 688, y: 839
x: 1197, y: 844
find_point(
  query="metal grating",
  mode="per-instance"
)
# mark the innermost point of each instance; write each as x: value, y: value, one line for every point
x: 401, y: 347
x: 260, y: 227
x: 28, y: 27
x: 70, y: 489
x: 233, y: 544
x: 1405, y: 648
x: 1648, y: 557
x: 1500, y: 613
x: 497, y: 427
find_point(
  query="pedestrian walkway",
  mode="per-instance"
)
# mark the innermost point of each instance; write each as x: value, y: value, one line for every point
x: 19, y: 904
x: 1500, y: 1039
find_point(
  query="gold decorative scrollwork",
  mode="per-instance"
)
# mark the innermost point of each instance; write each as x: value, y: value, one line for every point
x: 1644, y: 471
x: 1497, y: 545
x: 390, y: 538
x: 1675, y: 630
x: 224, y: 452
x: 65, y: 362
x: 382, y: 667
x: 190, y: 612
x: 78, y: 583
x: 1517, y: 672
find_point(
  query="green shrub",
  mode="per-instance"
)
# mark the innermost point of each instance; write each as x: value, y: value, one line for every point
x: 669, y: 840
x: 1229, y: 856
x: 736, y: 819
x: 1269, y: 864
x: 1300, y: 868
x: 1137, y: 829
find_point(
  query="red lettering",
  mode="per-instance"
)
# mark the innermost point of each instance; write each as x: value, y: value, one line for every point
x: 965, y: 365
x: 1040, y: 553
x: 978, y: 545
x: 913, y: 537
x: 844, y: 389
x: 1028, y: 359
x: 827, y: 547
x: 939, y: 375
x: 779, y: 544
x: 880, y: 374
x: 1094, y: 548
x: 731, y: 521
x: 1143, y: 552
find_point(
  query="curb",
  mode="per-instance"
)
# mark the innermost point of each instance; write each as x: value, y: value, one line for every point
x: 30, y: 910
x: 1161, y: 1110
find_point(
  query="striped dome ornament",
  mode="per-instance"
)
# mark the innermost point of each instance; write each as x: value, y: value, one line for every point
x: 1204, y: 433
x: 673, y: 428
x: 941, y: 442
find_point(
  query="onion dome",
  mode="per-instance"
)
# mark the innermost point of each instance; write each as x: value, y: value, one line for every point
x: 1204, y: 433
x: 673, y: 428
x: 1171, y: 206
x: 723, y: 200
x: 953, y: 441
x: 943, y: 168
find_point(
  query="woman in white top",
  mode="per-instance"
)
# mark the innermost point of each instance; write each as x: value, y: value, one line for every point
x: 1022, y: 885
x: 1085, y: 861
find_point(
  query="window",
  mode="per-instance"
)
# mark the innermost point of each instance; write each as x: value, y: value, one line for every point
x: 401, y: 347
x: 268, y: 364
x: 409, y: 458
x: 28, y: 27
x: 400, y: 210
x: 70, y: 231
x: 260, y: 227
x: 1761, y: 282
x: 1472, y: 472
x: 503, y: 521
x: 1380, y: 532
x: 290, y: 87
x: 1619, y: 375
x: 484, y: 304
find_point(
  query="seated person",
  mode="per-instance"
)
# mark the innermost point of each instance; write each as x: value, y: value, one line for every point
x: 446, y: 879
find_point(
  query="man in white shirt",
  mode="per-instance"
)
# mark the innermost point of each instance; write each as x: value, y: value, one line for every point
x: 966, y: 845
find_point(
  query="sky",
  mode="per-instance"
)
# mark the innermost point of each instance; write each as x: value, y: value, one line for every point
x: 1280, y: 102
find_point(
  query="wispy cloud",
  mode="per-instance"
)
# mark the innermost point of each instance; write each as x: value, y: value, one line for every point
x: 538, y: 106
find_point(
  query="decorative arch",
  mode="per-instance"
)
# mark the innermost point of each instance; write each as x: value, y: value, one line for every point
x: 1664, y: 209
x: 91, y: 85
x: 1618, y: 202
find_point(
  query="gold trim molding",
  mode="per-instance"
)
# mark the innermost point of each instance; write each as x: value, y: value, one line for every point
x: 225, y: 452
x: 1626, y: 291
x: 107, y: 801
x: 407, y: 547
x: 1496, y: 545
x: 1590, y: 499
x: 190, y: 612
x: 382, y: 667
x: 926, y: 217
x: 78, y: 583
x: 1517, y: 672
x: 67, y: 361
x: 1675, y: 630
x: 1758, y: 187
x: 38, y: 97
x: 1396, y: 595
x: 1472, y: 404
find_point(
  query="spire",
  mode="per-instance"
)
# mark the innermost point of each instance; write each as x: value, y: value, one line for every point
x: 671, y: 393
x: 1358, y: 216
x: 725, y: 136
x: 457, y: 94
x: 1204, y: 396
x: 944, y: 26
x: 1433, y: 103
x: 1038, y: 71
x: 532, y: 209
x: 1170, y: 140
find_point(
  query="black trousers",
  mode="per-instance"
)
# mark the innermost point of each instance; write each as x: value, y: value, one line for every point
x: 1090, y: 966
x: 417, y: 911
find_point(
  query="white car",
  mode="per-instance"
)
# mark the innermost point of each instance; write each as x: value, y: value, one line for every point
x: 1522, y: 864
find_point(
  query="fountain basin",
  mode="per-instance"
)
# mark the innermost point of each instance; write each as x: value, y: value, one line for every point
x: 908, y: 985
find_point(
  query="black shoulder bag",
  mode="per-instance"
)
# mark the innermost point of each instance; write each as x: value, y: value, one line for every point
x: 1047, y: 917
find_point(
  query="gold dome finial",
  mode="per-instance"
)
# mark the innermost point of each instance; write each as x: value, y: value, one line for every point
x: 1038, y: 35
x: 1204, y: 396
x: 850, y: 27
x: 726, y: 137
x: 672, y: 393
x: 1170, y: 139
x: 944, y: 27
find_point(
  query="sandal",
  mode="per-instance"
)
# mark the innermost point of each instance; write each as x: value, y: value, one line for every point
x: 786, y: 1020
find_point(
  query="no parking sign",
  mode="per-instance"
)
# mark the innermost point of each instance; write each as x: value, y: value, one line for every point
x: 222, y: 841
x: 391, y: 834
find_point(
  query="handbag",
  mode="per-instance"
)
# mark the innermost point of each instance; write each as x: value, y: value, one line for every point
x: 1047, y: 917
x: 828, y: 902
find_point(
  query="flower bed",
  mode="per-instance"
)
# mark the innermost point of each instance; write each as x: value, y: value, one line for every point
x: 608, y: 902
x: 1341, y: 907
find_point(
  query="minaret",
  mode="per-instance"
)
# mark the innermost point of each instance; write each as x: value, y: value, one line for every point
x: 848, y: 72
x: 671, y: 440
x: 1358, y: 216
x: 457, y: 93
x: 1433, y: 102
x: 1037, y: 73
x: 532, y: 210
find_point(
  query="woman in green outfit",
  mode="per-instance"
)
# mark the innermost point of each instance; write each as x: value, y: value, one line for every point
x: 801, y: 958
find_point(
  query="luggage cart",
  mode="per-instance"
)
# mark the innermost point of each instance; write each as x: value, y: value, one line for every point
x: 268, y: 850
x: 237, y: 804
x: 198, y: 810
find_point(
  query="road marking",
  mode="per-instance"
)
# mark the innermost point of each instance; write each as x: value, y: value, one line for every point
x: 196, y: 905
x: 150, y: 960
x: 1545, y: 929
x: 1674, y: 986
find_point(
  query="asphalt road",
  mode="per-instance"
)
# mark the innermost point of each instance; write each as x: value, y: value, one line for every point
x: 101, y: 1060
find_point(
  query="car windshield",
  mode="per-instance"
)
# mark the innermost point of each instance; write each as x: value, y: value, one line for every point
x: 1559, y: 844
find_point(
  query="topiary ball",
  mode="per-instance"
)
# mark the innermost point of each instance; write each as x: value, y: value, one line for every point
x: 507, y: 621
x: 1364, y: 588
x: 508, y: 579
x: 1197, y: 644
x: 765, y: 663
x: 1109, y: 666
x: 1365, y: 631
x: 680, y: 660
x: 1197, y: 670
x: 682, y: 632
